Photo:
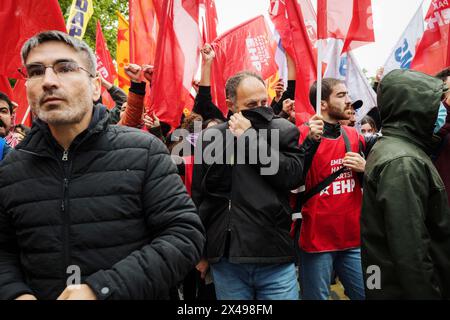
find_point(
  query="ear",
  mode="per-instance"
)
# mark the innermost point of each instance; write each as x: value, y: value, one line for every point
x: 97, y: 88
x: 230, y: 106
x: 323, y: 105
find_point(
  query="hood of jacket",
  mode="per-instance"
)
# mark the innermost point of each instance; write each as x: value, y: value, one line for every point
x: 409, y: 103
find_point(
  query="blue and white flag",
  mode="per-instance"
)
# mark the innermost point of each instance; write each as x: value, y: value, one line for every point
x: 405, y: 50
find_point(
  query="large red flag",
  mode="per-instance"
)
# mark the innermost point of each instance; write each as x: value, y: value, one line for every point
x: 349, y: 20
x: 20, y: 20
x: 5, y: 87
x: 432, y: 52
x: 249, y: 46
x: 143, y: 31
x: 289, y: 18
x: 23, y: 111
x: 105, y: 65
x: 361, y: 27
x: 177, y: 57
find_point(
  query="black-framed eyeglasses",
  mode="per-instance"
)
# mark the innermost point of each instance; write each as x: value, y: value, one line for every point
x: 34, y: 71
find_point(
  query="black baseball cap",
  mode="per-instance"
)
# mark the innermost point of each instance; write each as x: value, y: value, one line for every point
x: 357, y: 104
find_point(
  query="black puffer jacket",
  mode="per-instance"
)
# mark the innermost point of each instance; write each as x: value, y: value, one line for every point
x: 238, y: 202
x: 116, y: 209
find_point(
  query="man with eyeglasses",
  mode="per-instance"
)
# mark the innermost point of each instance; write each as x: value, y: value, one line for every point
x: 104, y: 215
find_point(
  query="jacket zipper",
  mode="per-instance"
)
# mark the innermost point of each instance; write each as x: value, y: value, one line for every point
x: 65, y: 211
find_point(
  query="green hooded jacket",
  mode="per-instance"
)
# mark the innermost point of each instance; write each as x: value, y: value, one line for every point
x: 405, y: 219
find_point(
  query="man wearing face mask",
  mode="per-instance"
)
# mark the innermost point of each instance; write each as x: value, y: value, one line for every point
x: 441, y: 155
x: 405, y: 219
x: 243, y: 206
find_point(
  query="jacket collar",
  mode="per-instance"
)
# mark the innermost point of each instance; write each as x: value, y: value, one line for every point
x: 40, y: 141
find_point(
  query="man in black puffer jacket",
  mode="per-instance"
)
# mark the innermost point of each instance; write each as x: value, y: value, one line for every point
x: 82, y: 202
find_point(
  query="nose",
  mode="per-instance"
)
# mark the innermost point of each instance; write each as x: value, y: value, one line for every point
x: 348, y: 100
x: 50, y: 79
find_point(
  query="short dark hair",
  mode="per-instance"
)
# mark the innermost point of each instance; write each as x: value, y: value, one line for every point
x: 443, y: 74
x: 369, y: 120
x: 234, y: 82
x: 55, y: 35
x: 4, y: 97
x: 327, y: 88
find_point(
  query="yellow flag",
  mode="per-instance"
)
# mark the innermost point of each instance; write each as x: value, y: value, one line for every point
x: 80, y: 13
x: 271, y: 82
x: 123, y: 52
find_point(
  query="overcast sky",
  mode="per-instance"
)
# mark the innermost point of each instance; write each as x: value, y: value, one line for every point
x: 390, y: 19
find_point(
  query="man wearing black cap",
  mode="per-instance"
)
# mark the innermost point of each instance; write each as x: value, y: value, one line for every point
x: 351, y: 113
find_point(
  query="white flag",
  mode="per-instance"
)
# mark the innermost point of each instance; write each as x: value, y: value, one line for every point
x: 346, y: 68
x: 405, y: 50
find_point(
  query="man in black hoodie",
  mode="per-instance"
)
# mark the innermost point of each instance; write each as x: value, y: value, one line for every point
x: 405, y: 217
x: 88, y: 210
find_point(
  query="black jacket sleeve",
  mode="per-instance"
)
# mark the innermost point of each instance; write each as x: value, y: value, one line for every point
x: 119, y: 97
x: 175, y: 249
x: 204, y: 106
x: 12, y: 281
x: 288, y: 94
x: 283, y: 168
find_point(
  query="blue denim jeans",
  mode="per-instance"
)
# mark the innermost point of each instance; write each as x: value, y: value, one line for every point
x: 316, y: 269
x: 249, y: 281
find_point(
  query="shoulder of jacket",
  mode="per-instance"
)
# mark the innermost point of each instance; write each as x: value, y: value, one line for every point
x: 126, y: 137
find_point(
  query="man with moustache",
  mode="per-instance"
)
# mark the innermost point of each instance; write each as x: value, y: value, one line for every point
x: 329, y: 234
x: 104, y: 214
x: 6, y: 111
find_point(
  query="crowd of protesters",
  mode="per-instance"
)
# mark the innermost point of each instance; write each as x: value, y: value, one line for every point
x: 116, y: 204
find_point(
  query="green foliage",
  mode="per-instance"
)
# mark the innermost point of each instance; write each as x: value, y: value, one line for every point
x: 105, y: 11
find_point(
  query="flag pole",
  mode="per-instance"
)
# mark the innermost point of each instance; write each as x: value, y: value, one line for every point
x: 319, y: 76
x: 26, y: 115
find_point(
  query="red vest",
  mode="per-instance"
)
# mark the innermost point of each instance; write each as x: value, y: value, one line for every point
x: 331, y: 217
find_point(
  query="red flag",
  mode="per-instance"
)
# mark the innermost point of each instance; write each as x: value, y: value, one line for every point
x: 105, y: 65
x: 249, y: 46
x: 346, y: 19
x: 209, y: 28
x: 432, y: 52
x: 289, y: 18
x: 210, y: 25
x: 177, y: 58
x: 361, y: 27
x: 5, y: 87
x: 144, y: 32
x: 333, y: 18
x: 23, y: 111
x: 20, y: 20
